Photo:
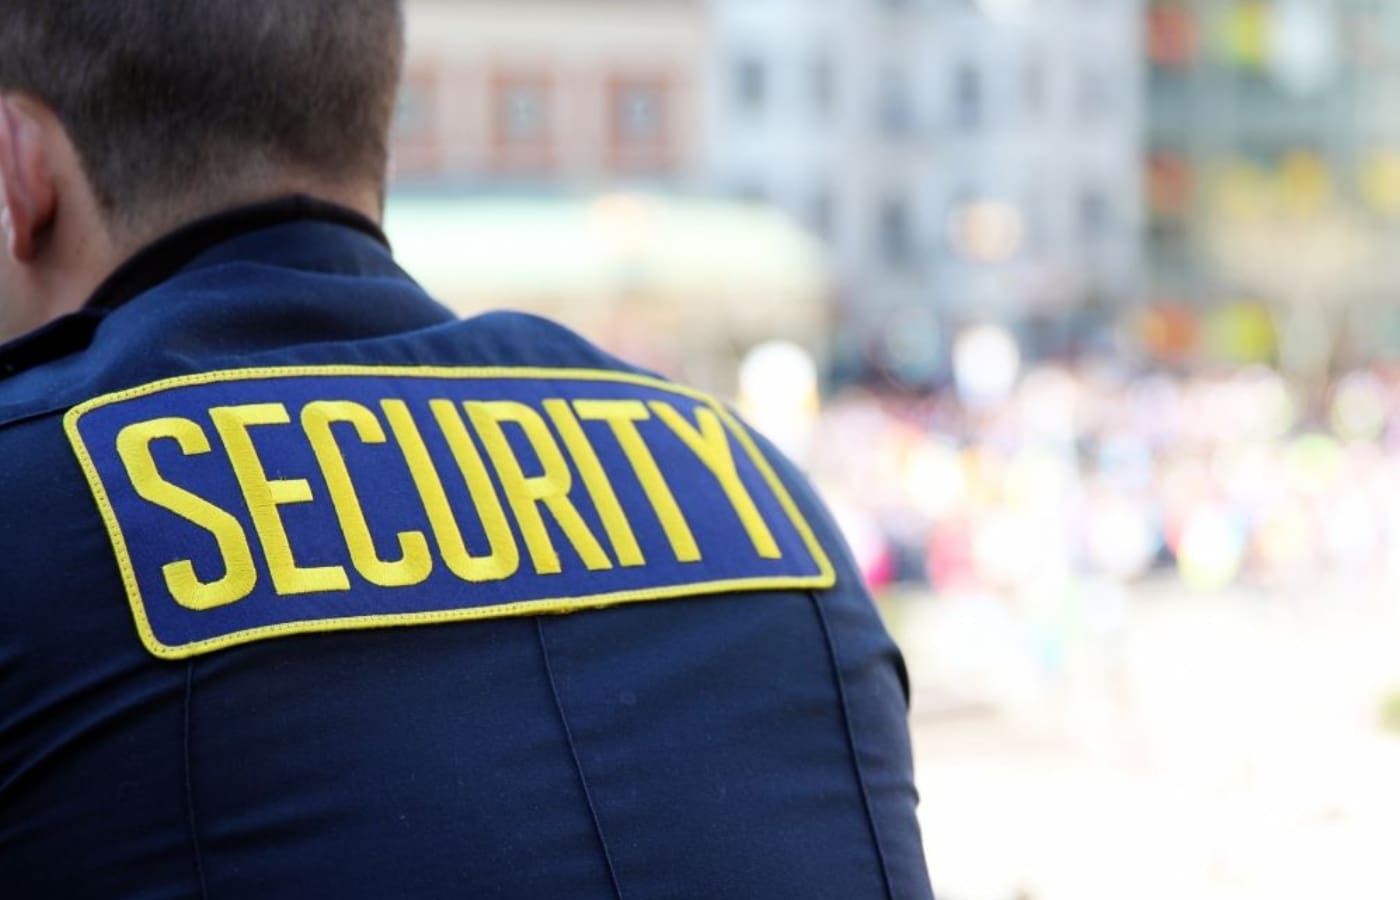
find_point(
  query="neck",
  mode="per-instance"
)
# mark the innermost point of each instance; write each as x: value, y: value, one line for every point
x: 364, y: 198
x: 80, y: 250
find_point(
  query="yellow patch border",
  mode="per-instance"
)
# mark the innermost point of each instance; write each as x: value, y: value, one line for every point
x: 825, y: 578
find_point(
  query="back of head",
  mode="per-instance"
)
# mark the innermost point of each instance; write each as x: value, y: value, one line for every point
x: 178, y: 106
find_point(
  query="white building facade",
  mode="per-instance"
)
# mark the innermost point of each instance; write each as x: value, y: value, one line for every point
x: 965, y: 160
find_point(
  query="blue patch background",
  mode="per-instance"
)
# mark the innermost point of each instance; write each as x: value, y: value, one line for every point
x: 155, y: 537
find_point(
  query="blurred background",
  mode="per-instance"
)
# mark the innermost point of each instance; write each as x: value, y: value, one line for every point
x: 1085, y: 317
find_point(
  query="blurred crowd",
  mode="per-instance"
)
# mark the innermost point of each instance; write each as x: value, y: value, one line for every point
x: 1095, y: 474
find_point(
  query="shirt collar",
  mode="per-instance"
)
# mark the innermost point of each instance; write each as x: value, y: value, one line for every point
x: 159, y: 262
x: 168, y: 255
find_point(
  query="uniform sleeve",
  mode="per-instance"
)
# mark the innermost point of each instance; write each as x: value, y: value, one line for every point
x: 875, y: 691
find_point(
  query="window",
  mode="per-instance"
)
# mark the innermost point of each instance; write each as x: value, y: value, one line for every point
x: 896, y: 105
x: 521, y: 110
x: 821, y: 84
x: 413, y: 114
x: 749, y: 190
x: 418, y: 143
x: 896, y: 234
x: 1095, y: 213
x: 1097, y: 97
x: 639, y: 108
x: 750, y: 85
x: 1033, y: 224
x: 1033, y: 87
x: 821, y: 214
x: 967, y: 97
x: 638, y: 111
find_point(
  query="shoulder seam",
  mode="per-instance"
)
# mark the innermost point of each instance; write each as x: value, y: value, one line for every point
x: 190, y: 817
x: 577, y: 760
x: 32, y: 416
x: 849, y: 734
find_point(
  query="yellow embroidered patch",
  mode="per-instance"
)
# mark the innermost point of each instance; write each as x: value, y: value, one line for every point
x: 251, y: 504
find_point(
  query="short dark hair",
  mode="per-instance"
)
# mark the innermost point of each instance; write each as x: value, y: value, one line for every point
x: 165, y: 100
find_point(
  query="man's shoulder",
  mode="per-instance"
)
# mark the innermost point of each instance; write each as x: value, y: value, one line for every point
x: 199, y: 334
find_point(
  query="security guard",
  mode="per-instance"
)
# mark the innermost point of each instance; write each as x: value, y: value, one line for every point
x: 308, y: 589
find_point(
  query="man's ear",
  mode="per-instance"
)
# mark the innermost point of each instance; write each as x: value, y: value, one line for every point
x: 26, y: 178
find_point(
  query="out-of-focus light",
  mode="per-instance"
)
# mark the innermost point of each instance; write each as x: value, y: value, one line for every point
x: 623, y: 223
x: 1170, y: 183
x: 1009, y: 548
x: 1303, y: 45
x: 1121, y: 539
x: 1305, y: 184
x: 1211, y: 550
x: 1380, y: 182
x: 1351, y: 531
x: 1156, y: 408
x: 1125, y: 459
x: 935, y: 479
x: 1038, y: 480
x: 1285, y: 538
x: 1313, y: 463
x: 1169, y: 331
x: 986, y: 364
x: 1242, y: 332
x: 1244, y: 191
x: 778, y: 392
x: 1171, y: 35
x: 862, y: 534
x: 1246, y: 33
x: 1359, y: 407
x: 1009, y: 12
x: 1049, y: 401
x: 1273, y: 410
x: 987, y: 231
x: 779, y: 371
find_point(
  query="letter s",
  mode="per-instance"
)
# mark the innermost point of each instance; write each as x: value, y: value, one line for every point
x: 240, y: 573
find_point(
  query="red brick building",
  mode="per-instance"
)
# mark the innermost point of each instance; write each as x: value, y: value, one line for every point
x: 497, y: 92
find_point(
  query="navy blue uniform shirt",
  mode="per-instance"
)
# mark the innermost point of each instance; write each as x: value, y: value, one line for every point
x: 396, y: 605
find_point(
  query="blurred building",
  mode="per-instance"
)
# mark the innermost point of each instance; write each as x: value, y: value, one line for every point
x: 965, y: 161
x: 552, y: 93
x: 1273, y: 176
x: 549, y: 156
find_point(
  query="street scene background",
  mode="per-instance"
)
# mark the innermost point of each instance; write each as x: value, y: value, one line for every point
x: 1084, y: 317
